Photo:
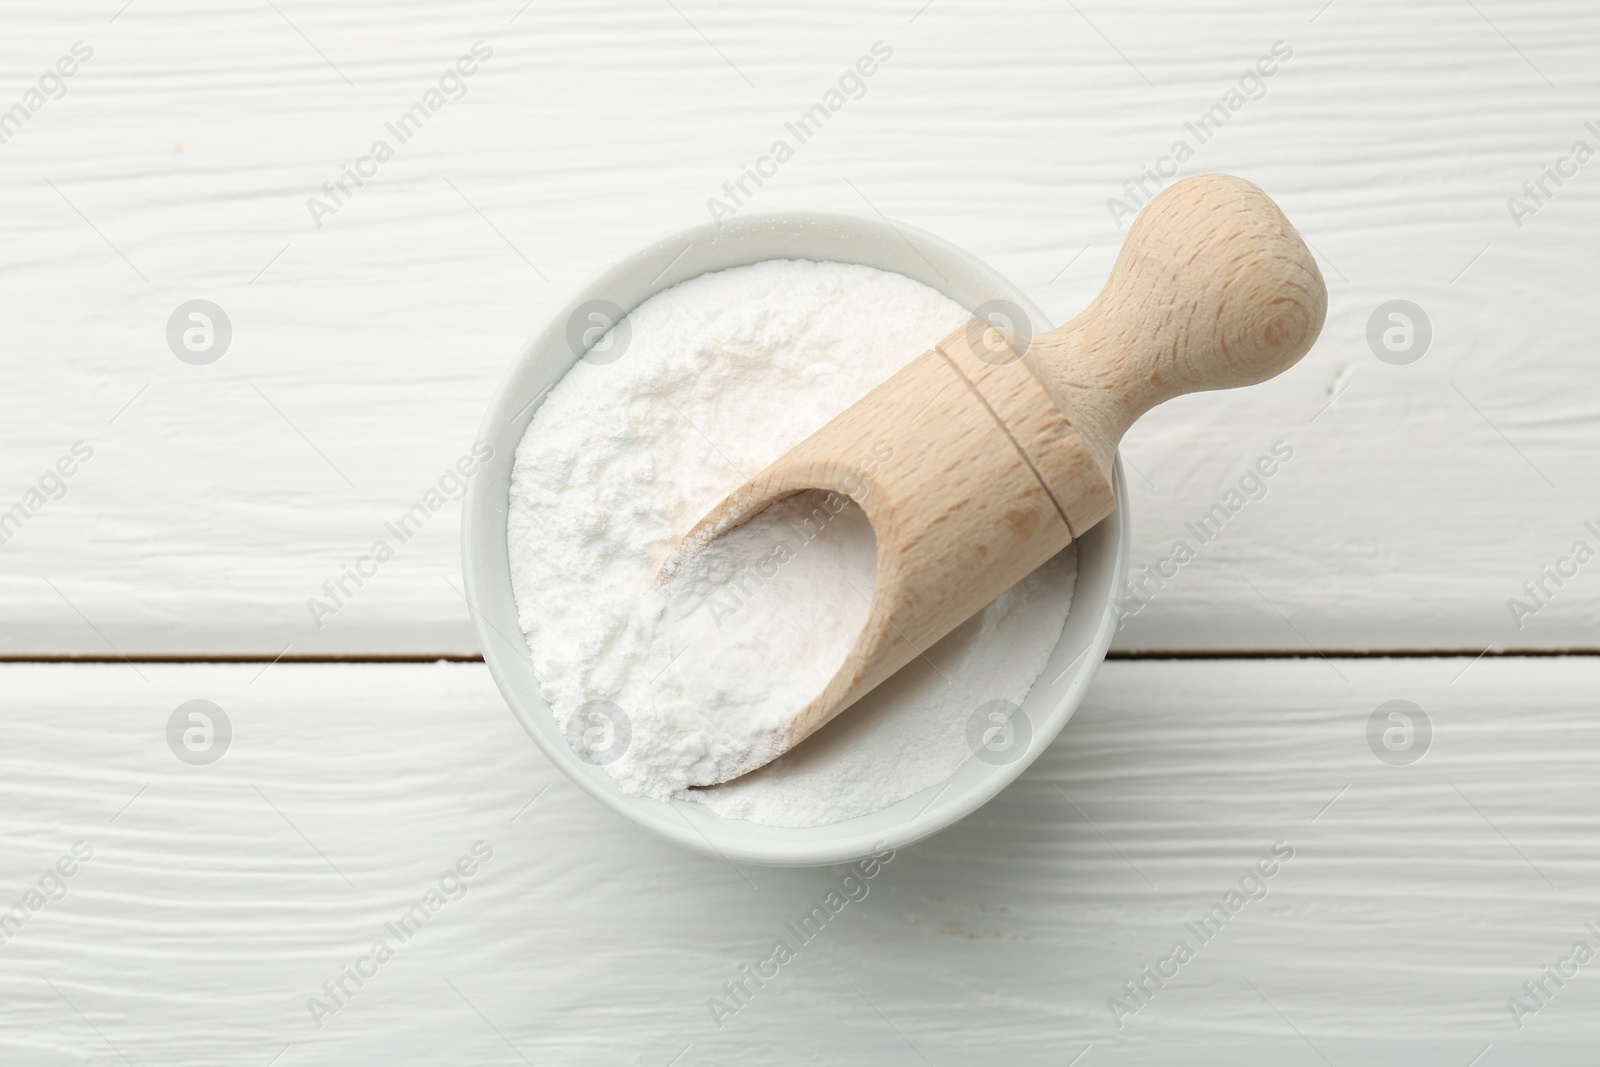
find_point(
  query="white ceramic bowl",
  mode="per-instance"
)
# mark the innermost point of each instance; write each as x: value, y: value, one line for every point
x: 846, y: 238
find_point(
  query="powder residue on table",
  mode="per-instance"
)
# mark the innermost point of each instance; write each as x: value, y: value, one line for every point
x: 722, y: 374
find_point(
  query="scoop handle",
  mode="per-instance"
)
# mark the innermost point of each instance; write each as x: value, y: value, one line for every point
x: 1213, y: 289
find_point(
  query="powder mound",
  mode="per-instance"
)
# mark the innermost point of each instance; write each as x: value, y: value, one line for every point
x: 755, y: 623
x: 722, y: 374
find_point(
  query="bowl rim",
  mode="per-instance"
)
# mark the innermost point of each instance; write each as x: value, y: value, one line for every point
x: 545, y: 358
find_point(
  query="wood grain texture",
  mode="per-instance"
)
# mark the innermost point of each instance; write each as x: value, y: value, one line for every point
x: 959, y: 459
x: 1079, y: 481
x: 220, y: 498
x: 219, y: 898
x: 1212, y: 289
x: 1404, y: 507
x: 958, y: 515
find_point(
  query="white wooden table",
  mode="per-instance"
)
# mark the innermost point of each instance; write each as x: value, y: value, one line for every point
x: 1382, y: 562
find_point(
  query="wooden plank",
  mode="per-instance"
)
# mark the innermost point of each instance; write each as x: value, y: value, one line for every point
x: 219, y: 898
x: 179, y: 164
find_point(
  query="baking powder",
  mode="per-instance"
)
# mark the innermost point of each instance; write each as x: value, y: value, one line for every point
x: 722, y: 374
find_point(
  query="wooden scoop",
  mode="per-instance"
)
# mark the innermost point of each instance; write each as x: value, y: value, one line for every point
x: 983, y: 458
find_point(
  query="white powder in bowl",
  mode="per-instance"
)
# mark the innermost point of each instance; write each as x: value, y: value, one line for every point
x: 723, y: 374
